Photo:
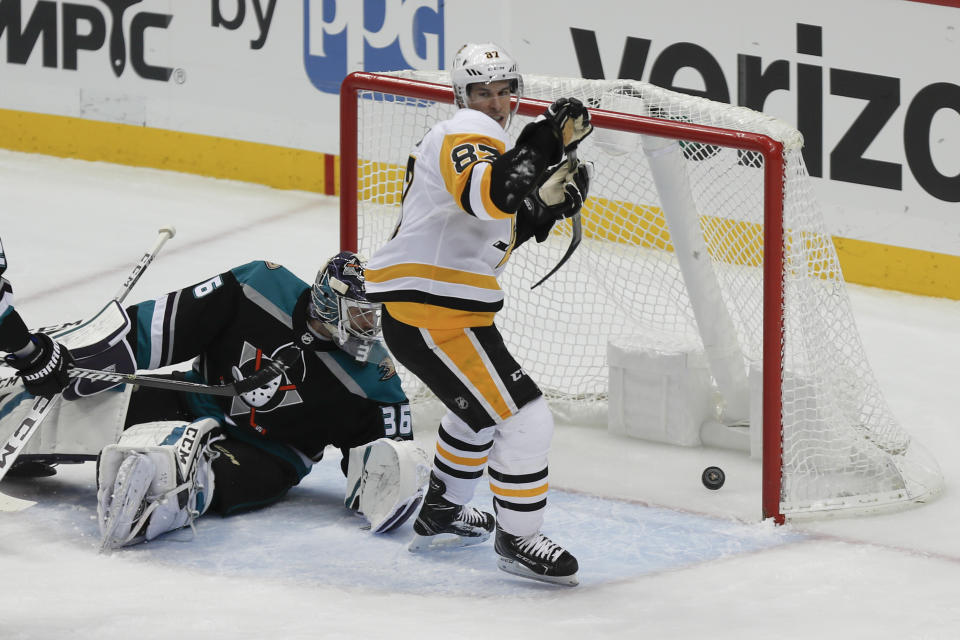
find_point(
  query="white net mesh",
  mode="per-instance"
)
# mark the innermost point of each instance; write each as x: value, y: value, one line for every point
x: 842, y: 448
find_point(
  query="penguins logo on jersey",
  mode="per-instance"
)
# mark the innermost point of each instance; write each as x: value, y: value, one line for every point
x: 279, y: 392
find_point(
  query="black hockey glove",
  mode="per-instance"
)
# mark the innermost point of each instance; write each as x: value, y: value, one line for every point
x: 572, y: 119
x: 44, y: 371
x: 561, y: 196
x: 559, y: 128
x: 565, y: 190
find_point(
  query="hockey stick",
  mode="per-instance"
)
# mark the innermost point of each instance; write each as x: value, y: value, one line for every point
x: 57, y: 330
x: 166, y: 233
x: 577, y: 232
x: 271, y: 371
x: 41, y: 405
x: 258, y: 379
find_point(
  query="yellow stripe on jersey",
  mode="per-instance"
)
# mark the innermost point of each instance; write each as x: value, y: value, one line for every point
x: 417, y: 314
x: 458, y: 155
x: 486, y: 183
x: 520, y: 493
x: 513, y: 242
x: 431, y: 272
x: 460, y: 350
x: 455, y: 459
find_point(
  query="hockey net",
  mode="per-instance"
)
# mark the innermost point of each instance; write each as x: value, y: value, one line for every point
x: 700, y: 232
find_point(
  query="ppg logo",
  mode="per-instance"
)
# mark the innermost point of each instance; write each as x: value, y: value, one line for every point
x: 342, y: 36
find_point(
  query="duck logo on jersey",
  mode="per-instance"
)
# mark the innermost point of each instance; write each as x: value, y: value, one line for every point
x: 387, y: 369
x: 341, y: 36
x: 279, y: 392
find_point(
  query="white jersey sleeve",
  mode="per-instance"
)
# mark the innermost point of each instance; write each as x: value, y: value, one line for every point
x: 452, y: 240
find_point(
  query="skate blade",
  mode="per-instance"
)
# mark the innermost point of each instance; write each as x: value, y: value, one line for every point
x: 518, y: 569
x: 443, y: 541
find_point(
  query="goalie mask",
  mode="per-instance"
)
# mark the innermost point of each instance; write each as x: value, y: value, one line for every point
x: 484, y: 63
x: 339, y: 301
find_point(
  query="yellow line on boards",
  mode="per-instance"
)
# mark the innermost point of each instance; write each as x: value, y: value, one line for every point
x: 914, y: 271
x: 67, y: 137
x: 867, y: 263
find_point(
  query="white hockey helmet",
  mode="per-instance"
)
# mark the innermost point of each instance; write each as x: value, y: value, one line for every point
x: 483, y: 63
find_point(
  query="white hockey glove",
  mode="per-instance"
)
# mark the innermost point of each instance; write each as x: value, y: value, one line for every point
x: 157, y: 478
x: 386, y: 480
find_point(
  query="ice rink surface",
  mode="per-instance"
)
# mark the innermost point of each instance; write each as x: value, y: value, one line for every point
x: 660, y: 556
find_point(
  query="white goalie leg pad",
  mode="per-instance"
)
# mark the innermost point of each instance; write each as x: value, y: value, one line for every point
x: 157, y: 478
x: 386, y: 480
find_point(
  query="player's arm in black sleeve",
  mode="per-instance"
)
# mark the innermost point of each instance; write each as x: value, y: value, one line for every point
x: 179, y: 326
x: 14, y: 335
x: 40, y: 362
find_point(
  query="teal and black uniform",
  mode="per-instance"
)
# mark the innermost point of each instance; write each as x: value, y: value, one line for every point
x: 13, y: 332
x: 232, y: 325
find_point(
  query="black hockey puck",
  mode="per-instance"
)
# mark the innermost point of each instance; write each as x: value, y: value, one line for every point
x: 713, y: 478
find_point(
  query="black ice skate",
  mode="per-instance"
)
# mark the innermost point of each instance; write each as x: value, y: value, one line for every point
x: 443, y: 524
x: 535, y: 557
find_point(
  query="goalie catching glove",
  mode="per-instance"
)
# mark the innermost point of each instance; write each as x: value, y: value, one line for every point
x: 560, y: 196
x: 157, y: 478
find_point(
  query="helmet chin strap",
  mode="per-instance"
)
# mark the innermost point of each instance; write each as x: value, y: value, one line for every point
x: 337, y: 332
x: 319, y: 329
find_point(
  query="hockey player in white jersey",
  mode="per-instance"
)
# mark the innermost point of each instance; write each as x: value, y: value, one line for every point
x: 472, y: 198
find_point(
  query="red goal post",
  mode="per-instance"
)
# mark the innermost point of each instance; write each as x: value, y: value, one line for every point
x: 382, y: 89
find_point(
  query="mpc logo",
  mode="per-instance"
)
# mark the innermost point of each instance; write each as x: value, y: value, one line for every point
x: 81, y: 27
x: 342, y: 36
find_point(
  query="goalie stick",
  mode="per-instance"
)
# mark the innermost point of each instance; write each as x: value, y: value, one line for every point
x: 10, y: 451
x: 576, y: 233
x: 269, y: 372
x: 258, y: 379
x: 121, y: 295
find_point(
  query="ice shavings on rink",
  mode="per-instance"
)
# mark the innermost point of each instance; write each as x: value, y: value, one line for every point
x: 310, y: 538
